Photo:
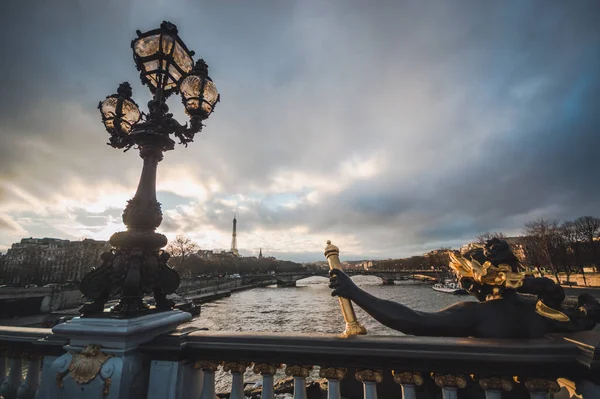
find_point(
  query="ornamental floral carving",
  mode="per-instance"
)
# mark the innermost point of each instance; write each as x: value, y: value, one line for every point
x: 541, y: 385
x: 266, y: 368
x: 85, y: 366
x: 496, y: 384
x: 332, y: 373
x: 207, y: 365
x: 449, y: 380
x: 369, y: 375
x: 298, y: 371
x: 407, y: 378
x: 235, y: 367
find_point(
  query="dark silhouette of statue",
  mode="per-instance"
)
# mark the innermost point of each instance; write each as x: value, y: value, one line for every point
x: 493, y: 275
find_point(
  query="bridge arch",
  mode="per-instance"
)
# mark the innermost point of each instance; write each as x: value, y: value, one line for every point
x: 289, y: 279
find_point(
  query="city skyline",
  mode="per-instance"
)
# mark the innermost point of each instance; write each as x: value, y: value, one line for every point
x: 390, y: 129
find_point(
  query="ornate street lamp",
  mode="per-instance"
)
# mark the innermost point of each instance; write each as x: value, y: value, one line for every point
x: 137, y: 266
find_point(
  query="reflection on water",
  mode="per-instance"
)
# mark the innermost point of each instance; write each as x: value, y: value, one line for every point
x: 309, y: 308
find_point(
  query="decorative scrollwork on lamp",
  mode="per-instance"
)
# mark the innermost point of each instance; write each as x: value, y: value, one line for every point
x: 137, y: 266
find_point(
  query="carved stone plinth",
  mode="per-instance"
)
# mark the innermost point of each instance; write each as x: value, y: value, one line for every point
x: 102, y: 358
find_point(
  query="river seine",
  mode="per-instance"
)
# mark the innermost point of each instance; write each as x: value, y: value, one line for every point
x: 310, y: 308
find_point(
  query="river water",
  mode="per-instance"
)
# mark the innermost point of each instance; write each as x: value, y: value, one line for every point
x: 309, y: 308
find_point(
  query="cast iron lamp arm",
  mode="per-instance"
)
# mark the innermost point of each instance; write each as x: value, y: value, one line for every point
x: 186, y: 134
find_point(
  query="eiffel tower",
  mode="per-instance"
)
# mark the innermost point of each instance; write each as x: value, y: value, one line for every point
x: 234, y: 249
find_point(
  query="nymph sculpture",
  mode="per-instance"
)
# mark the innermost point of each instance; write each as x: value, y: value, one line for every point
x: 493, y: 275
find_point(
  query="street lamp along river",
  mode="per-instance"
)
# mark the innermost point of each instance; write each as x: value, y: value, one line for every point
x: 137, y: 266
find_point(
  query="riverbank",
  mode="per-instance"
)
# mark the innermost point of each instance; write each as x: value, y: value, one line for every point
x: 199, y: 296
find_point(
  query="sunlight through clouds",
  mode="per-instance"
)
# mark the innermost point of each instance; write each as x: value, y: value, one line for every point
x: 391, y: 130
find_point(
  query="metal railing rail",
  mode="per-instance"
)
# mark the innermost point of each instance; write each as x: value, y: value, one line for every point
x: 359, y: 367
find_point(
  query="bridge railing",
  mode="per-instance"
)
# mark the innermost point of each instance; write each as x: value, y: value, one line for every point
x: 189, y: 363
x: 23, y: 353
x: 393, y: 367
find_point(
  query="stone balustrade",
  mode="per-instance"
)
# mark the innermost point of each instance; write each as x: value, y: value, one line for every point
x: 154, y: 359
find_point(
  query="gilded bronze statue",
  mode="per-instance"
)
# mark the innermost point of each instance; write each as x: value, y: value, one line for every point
x: 492, y: 274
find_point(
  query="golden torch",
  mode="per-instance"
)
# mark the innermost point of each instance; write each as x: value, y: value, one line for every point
x: 353, y: 326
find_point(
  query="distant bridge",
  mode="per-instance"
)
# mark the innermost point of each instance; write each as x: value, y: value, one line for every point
x: 289, y: 279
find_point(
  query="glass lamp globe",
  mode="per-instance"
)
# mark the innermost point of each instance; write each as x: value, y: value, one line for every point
x: 119, y: 112
x: 162, y: 58
x: 198, y: 92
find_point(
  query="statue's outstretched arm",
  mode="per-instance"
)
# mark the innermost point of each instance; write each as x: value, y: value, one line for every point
x: 457, y: 320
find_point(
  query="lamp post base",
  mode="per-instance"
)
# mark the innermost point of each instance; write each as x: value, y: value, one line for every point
x: 130, y: 272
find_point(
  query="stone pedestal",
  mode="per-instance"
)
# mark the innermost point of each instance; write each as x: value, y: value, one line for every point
x: 102, y: 360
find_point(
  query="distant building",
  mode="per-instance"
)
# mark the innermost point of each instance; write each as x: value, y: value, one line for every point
x: 367, y: 265
x: 50, y: 260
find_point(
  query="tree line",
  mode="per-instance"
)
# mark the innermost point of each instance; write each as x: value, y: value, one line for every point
x: 548, y: 246
x: 185, y: 259
x: 566, y: 247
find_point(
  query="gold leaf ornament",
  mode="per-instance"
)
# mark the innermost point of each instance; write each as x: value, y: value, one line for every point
x: 86, y: 365
x: 486, y: 274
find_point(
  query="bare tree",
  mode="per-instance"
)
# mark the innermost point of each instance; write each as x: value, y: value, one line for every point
x: 572, y: 241
x: 439, y: 259
x: 180, y: 248
x: 589, y: 228
x: 542, y: 236
x: 483, y: 237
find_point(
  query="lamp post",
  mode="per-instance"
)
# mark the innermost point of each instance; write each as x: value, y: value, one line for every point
x: 137, y: 266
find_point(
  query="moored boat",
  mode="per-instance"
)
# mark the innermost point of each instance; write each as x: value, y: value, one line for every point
x: 449, y: 287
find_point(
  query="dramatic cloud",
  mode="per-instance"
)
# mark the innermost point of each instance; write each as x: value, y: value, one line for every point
x: 389, y: 127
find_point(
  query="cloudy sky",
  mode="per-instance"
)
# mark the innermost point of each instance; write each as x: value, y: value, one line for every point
x: 389, y: 127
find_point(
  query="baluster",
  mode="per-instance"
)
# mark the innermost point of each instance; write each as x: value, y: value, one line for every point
x: 29, y: 386
x: 237, y: 371
x: 494, y: 386
x: 208, y: 382
x: 2, y: 366
x: 369, y: 378
x: 408, y: 381
x: 267, y: 371
x: 299, y: 373
x: 539, y: 388
x: 334, y: 376
x: 449, y: 384
x: 13, y: 380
